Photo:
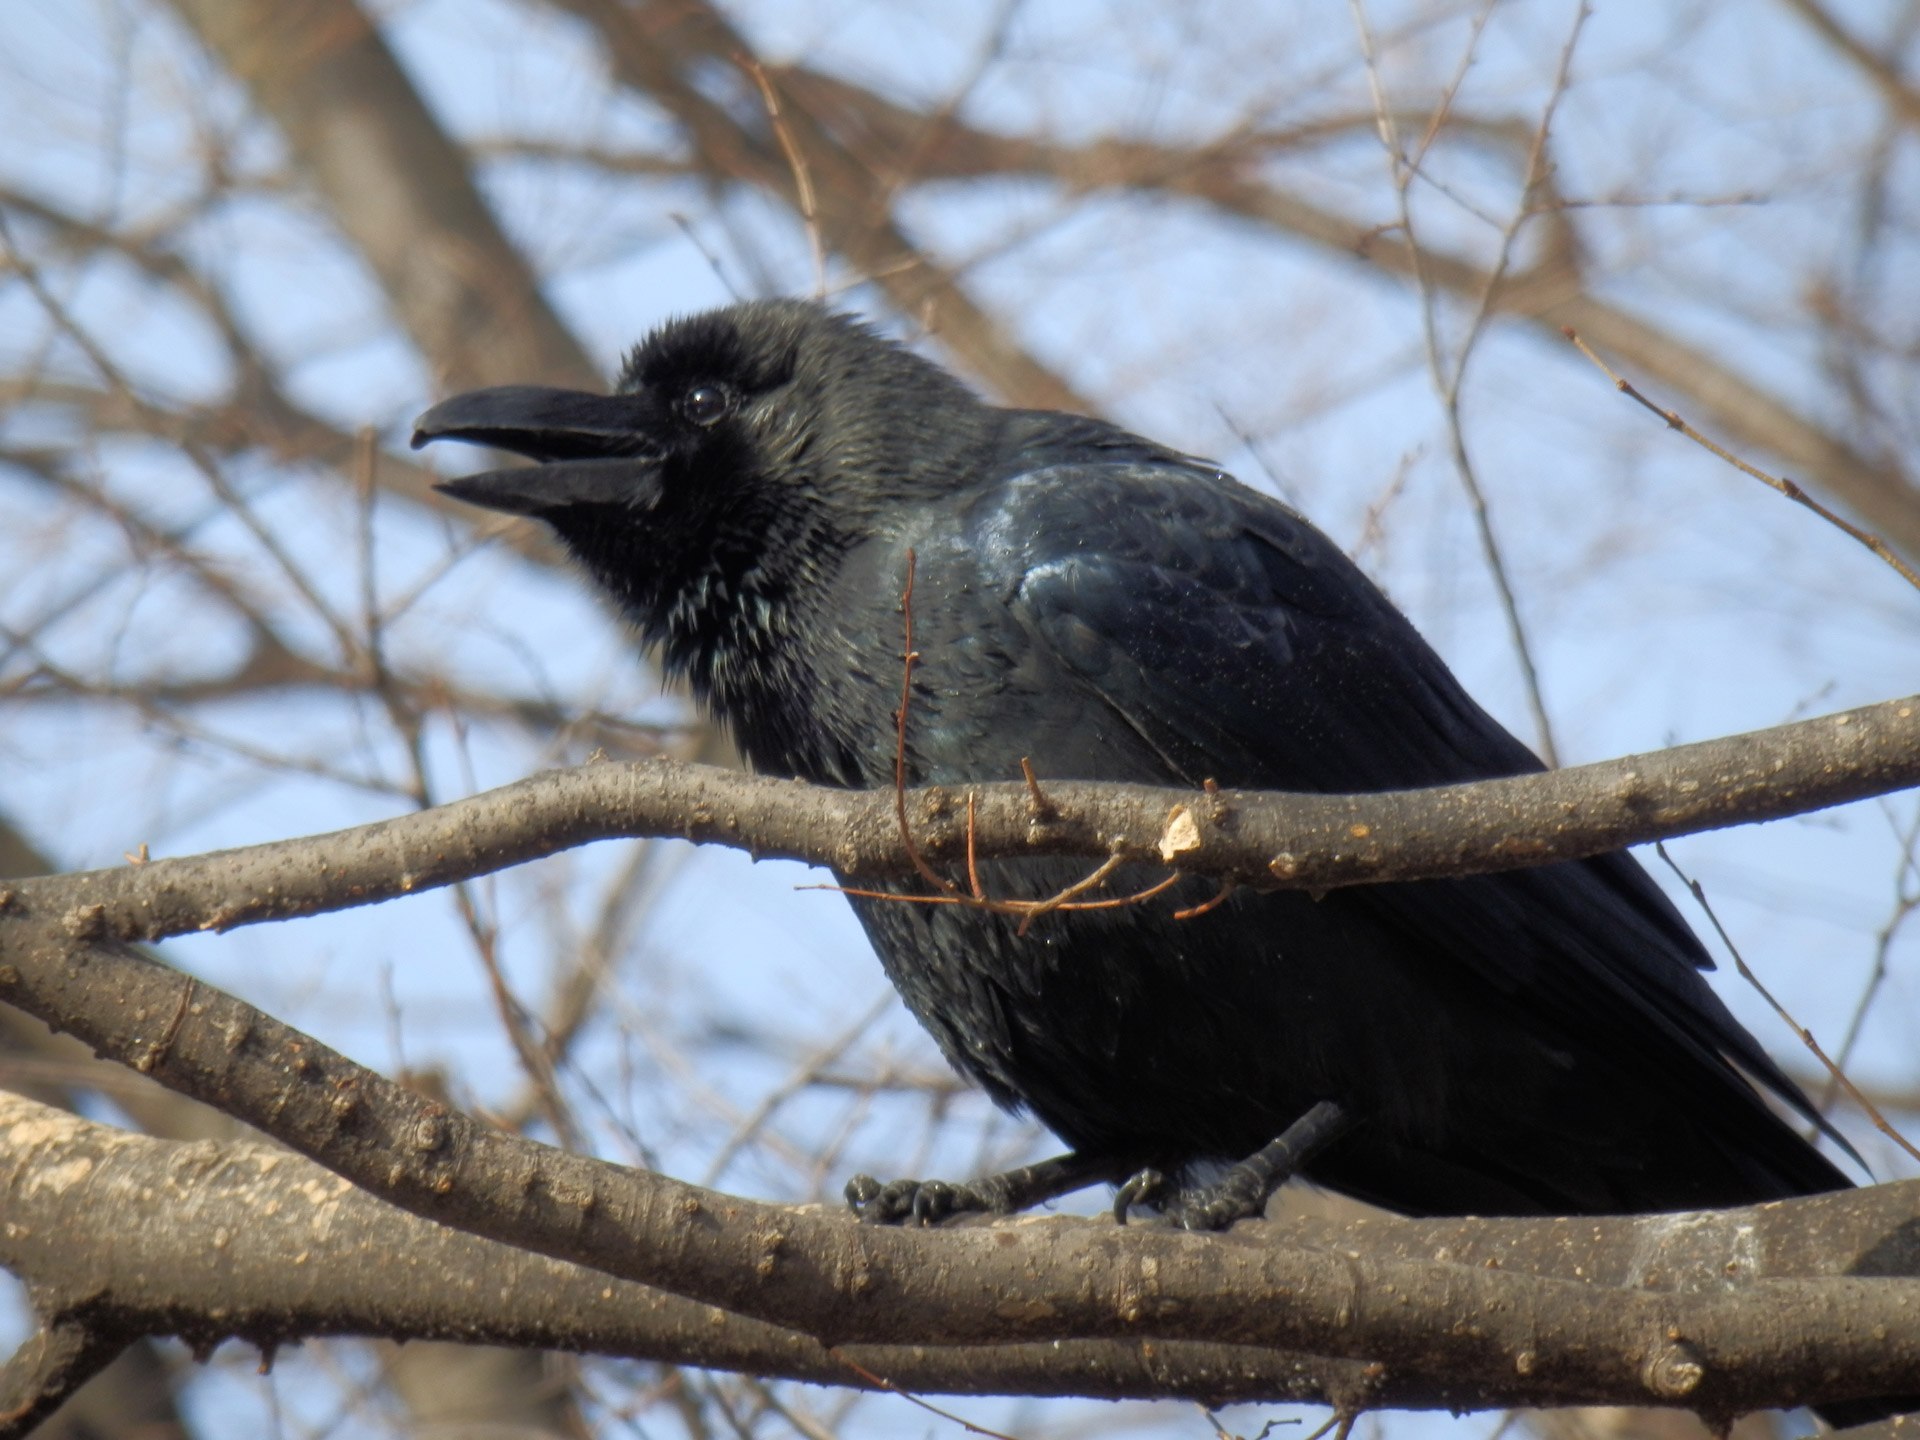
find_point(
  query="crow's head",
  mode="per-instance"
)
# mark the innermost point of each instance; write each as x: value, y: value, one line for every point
x: 742, y: 450
x: 776, y: 403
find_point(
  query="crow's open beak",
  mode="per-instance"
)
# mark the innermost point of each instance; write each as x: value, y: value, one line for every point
x: 592, y: 449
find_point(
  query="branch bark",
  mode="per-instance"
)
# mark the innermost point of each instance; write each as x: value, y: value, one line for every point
x: 366, y: 1268
x: 1308, y: 842
x: 200, y: 1265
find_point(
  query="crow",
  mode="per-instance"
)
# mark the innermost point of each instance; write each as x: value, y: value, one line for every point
x: 1534, y: 1042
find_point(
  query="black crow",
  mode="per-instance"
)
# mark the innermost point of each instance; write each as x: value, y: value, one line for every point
x: 1540, y: 1041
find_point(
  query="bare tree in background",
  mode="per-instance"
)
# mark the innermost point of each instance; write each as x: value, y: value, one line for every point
x: 246, y: 240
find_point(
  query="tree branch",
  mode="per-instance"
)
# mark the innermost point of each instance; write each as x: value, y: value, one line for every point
x: 659, y: 50
x: 1767, y: 1306
x: 49, y: 1366
x: 1780, y: 1342
x: 1308, y: 842
x: 397, y: 185
x: 203, y: 1268
x: 1227, y: 177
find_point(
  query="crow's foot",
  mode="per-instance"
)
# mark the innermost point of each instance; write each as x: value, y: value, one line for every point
x: 928, y: 1202
x: 1240, y: 1194
x: 923, y: 1202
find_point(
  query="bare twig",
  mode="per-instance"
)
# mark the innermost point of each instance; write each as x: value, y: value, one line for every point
x: 797, y: 162
x: 1839, y: 1077
x: 881, y: 1383
x: 1781, y: 483
x: 1027, y: 911
x: 1906, y: 903
x: 1448, y: 381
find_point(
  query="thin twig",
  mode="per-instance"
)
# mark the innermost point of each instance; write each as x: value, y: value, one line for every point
x: 1405, y: 170
x: 1872, y: 1111
x: 880, y: 1382
x: 1027, y: 911
x: 1905, y: 903
x: 1192, y: 912
x: 1781, y: 483
x: 797, y: 163
x: 909, y: 655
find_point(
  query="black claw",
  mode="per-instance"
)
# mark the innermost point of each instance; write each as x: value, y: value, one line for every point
x: 928, y: 1202
x: 933, y: 1201
x: 1144, y: 1187
x: 878, y: 1203
x: 896, y: 1202
x: 1237, y: 1197
x: 1240, y: 1194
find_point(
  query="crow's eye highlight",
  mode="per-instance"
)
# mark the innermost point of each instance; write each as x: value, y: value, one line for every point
x: 706, y: 404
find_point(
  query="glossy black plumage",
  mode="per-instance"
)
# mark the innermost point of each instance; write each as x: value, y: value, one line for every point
x: 1538, y: 1041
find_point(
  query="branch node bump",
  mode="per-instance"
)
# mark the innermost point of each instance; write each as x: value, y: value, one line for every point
x: 86, y: 922
x: 1674, y: 1371
x: 429, y: 1134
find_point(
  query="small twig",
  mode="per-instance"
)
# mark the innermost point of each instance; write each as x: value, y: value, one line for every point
x: 157, y: 1055
x: 1033, y: 910
x: 1905, y: 904
x: 1785, y: 486
x: 1222, y: 1433
x: 880, y: 1382
x: 1339, y: 1424
x: 950, y: 894
x: 1227, y: 887
x: 797, y: 163
x: 1405, y: 170
x: 1026, y: 909
x: 927, y: 872
x: 1373, y: 529
x: 973, y: 867
x: 528, y: 1048
x: 1041, y: 806
x: 807, y: 1075
x: 1880, y: 1122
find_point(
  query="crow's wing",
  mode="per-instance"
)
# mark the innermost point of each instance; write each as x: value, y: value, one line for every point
x: 1242, y: 646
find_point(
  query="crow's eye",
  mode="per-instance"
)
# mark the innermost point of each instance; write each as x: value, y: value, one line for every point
x: 706, y: 404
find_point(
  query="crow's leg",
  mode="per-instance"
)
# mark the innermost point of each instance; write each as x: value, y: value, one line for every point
x: 1242, y: 1192
x: 927, y: 1202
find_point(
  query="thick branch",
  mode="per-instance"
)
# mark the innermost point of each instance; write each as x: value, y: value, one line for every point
x: 1463, y: 1308
x: 199, y: 1254
x: 164, y: 1237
